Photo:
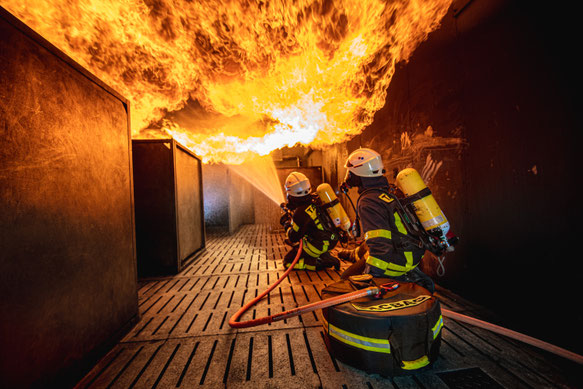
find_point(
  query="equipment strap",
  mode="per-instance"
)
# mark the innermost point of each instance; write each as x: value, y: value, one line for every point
x: 417, y: 196
x: 330, y: 204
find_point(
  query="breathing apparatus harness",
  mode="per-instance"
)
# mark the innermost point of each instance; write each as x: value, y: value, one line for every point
x: 322, y: 212
x: 416, y: 234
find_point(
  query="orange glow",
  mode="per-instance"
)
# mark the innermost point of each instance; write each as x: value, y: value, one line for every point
x: 267, y: 74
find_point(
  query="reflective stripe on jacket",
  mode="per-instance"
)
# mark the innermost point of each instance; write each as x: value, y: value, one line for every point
x: 389, y: 254
x: 306, y: 226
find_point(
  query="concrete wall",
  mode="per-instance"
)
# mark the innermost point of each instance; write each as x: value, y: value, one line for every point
x: 266, y: 211
x: 485, y: 111
x: 228, y: 198
x: 216, y: 198
x: 241, y: 206
x: 68, y: 286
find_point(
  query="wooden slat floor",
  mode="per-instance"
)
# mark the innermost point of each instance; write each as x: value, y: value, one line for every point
x: 183, y: 338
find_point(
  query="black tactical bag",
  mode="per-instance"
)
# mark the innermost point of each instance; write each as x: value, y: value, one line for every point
x: 398, y: 334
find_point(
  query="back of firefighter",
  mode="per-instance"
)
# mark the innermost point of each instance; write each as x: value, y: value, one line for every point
x: 309, y: 225
x: 391, y: 251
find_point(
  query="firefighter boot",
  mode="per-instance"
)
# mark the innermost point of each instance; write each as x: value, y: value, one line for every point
x: 346, y: 255
x: 353, y: 255
x: 327, y: 260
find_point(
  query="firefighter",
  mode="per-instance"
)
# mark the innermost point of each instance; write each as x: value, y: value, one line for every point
x: 388, y: 251
x: 307, y: 222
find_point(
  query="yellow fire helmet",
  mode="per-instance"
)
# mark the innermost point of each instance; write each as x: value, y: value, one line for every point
x: 365, y: 163
x: 297, y: 185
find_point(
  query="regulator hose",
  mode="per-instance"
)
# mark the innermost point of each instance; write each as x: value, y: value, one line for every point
x: 515, y: 335
x: 372, y: 291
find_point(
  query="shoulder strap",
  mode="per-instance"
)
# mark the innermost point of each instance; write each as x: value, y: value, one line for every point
x: 368, y: 191
x: 400, y: 210
x: 324, y: 216
x: 417, y: 196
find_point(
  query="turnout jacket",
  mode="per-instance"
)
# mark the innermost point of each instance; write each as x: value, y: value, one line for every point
x: 308, y: 225
x: 391, y: 253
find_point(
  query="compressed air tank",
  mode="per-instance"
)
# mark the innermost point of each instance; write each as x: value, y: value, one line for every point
x: 426, y: 208
x: 333, y: 207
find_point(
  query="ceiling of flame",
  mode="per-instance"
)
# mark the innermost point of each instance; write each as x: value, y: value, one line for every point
x: 232, y: 79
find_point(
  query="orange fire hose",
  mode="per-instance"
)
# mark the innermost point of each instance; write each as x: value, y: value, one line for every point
x: 375, y: 291
x: 515, y: 335
x: 296, y: 311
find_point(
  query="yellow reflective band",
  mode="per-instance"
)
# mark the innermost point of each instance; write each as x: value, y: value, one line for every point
x: 312, y: 250
x: 295, y: 227
x: 396, y: 272
x: 309, y: 251
x: 392, y: 269
x: 312, y: 212
x: 310, y: 267
x: 437, y: 327
x: 409, y: 257
x: 358, y: 341
x: 416, y: 364
x: 299, y: 265
x: 392, y: 273
x: 385, y: 198
x: 377, y: 234
x: 395, y: 267
x: 399, y: 224
x: 373, y: 261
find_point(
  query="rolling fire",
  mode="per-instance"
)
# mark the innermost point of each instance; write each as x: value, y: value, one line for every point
x: 236, y: 79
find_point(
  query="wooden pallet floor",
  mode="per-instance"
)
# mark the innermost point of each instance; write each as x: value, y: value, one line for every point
x: 183, y: 338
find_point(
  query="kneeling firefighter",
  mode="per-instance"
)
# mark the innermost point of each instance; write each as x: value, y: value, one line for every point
x: 390, y: 252
x: 305, y: 220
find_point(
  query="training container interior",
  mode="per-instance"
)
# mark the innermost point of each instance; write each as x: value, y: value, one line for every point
x: 68, y: 282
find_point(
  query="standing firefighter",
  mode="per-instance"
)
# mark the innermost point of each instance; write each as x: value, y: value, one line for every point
x: 391, y: 251
x: 306, y: 221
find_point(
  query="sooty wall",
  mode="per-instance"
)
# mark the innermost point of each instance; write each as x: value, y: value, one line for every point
x: 68, y: 286
x: 485, y: 110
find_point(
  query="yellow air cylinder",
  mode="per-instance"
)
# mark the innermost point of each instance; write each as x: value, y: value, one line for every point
x: 336, y: 212
x: 426, y: 208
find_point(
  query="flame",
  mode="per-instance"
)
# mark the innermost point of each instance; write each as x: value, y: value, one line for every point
x: 265, y: 74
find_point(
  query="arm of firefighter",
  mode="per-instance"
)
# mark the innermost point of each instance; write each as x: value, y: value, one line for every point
x: 298, y: 227
x: 377, y: 234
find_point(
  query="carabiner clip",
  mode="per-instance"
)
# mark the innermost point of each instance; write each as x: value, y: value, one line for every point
x: 389, y: 286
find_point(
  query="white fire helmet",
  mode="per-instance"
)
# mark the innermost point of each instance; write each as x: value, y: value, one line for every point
x: 365, y: 163
x: 297, y: 185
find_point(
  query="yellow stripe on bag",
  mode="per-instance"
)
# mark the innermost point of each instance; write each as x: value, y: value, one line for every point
x: 358, y: 341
